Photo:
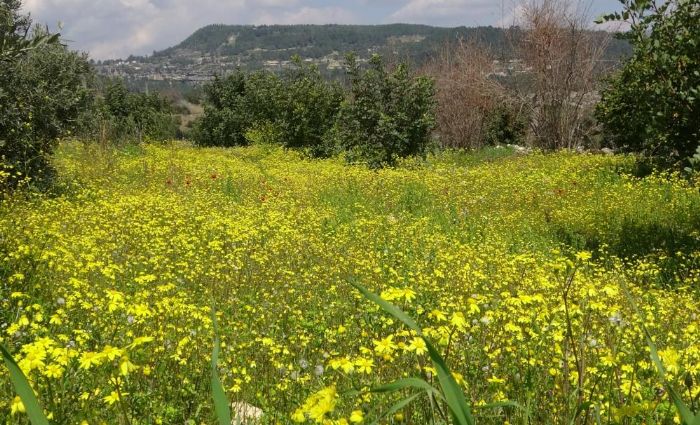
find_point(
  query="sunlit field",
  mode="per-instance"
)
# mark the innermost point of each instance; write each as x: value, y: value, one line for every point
x: 522, y: 270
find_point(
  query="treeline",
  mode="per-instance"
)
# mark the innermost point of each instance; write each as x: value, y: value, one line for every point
x: 380, y: 116
x: 48, y: 92
x: 416, y: 43
x: 559, y: 95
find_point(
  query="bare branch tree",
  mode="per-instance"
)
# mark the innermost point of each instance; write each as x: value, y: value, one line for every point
x: 466, y: 93
x: 563, y: 57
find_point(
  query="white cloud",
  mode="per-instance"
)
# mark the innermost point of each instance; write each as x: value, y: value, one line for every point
x: 309, y: 15
x: 447, y: 12
x: 118, y: 28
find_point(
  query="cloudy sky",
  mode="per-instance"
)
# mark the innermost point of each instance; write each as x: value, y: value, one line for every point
x: 117, y: 28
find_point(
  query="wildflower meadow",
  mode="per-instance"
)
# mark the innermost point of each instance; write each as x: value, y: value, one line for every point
x: 532, y: 275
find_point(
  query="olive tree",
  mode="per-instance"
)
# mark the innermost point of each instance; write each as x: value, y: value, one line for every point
x: 652, y: 105
x: 43, y: 89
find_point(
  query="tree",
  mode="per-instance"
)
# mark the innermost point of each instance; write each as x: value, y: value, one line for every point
x: 562, y: 57
x: 652, y: 105
x: 14, y: 32
x: 295, y: 110
x: 309, y: 108
x: 43, y: 89
x: 389, y: 114
x: 126, y: 116
x: 226, y: 115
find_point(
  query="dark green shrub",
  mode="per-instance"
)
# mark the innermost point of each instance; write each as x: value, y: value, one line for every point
x: 43, y: 91
x: 295, y: 110
x: 652, y: 104
x: 505, y: 126
x: 123, y: 116
x: 236, y: 104
x: 309, y: 107
x: 389, y: 115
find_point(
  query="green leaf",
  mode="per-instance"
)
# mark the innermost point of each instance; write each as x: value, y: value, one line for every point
x: 24, y: 390
x: 402, y: 384
x: 221, y: 405
x: 389, y: 308
x: 453, y: 394
x: 461, y: 413
x: 397, y: 406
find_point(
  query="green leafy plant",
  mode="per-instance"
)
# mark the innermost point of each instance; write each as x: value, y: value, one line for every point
x: 121, y: 115
x: 389, y: 114
x: 221, y: 405
x: 694, y: 162
x: 42, y: 94
x: 504, y: 125
x: 652, y: 104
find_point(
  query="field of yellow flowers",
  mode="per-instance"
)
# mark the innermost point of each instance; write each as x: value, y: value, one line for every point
x: 520, y: 269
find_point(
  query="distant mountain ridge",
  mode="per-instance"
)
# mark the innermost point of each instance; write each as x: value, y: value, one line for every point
x: 320, y: 40
x: 315, y: 41
x: 220, y: 49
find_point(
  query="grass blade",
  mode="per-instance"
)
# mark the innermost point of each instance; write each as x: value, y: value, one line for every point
x: 24, y: 390
x: 221, y: 407
x: 461, y: 413
x: 401, y: 384
x: 397, y: 406
x: 389, y: 308
x: 457, y: 403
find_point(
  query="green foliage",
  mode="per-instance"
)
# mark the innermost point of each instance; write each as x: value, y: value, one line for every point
x: 233, y: 105
x: 295, y: 110
x: 122, y: 115
x: 310, y: 106
x: 42, y: 94
x: 505, y: 126
x: 652, y: 105
x: 694, y: 162
x: 14, y: 30
x: 389, y: 115
x: 221, y: 407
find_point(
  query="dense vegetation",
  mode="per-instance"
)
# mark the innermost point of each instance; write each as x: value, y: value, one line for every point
x: 653, y: 104
x: 383, y: 116
x: 296, y: 110
x: 42, y: 92
x: 127, y: 117
x: 106, y: 293
x: 541, y: 279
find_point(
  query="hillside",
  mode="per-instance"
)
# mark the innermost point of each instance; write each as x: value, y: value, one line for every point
x: 218, y: 49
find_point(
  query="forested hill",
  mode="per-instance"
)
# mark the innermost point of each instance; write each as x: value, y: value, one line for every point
x: 316, y: 41
x: 221, y: 49
x: 279, y: 42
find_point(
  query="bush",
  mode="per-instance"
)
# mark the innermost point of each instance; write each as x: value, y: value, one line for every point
x: 652, y: 104
x: 234, y: 105
x: 43, y: 91
x: 309, y: 108
x: 389, y: 115
x: 297, y: 109
x: 505, y: 126
x: 124, y: 116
